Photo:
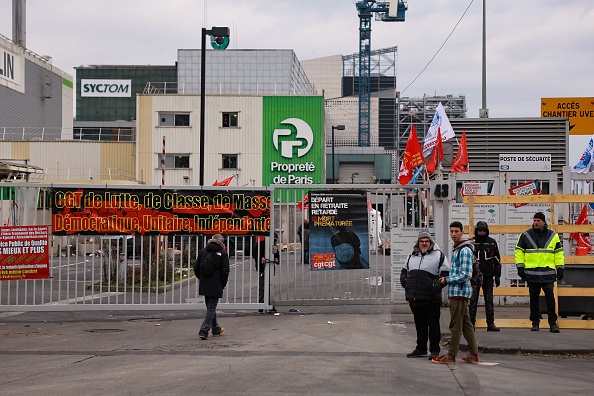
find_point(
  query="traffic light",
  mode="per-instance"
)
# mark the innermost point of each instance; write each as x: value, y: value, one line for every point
x: 219, y: 37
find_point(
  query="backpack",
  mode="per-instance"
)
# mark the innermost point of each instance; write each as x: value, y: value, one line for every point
x: 208, y: 265
x: 476, y: 280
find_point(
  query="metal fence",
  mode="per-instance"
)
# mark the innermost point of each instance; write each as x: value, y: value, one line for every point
x: 123, y: 272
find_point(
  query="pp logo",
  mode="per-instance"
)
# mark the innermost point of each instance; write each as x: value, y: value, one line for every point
x: 304, y: 135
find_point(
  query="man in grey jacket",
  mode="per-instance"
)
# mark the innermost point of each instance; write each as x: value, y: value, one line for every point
x: 420, y: 279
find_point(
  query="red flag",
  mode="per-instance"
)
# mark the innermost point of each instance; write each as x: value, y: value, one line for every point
x: 412, y: 157
x: 582, y: 219
x: 304, y: 203
x: 460, y: 163
x: 436, y: 155
x: 224, y: 182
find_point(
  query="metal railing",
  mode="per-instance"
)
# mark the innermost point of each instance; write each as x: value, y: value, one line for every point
x: 51, y: 134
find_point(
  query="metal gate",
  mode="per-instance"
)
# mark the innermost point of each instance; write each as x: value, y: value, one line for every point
x: 111, y: 272
x: 295, y: 283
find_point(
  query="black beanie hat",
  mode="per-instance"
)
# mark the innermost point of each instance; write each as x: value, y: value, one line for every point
x: 540, y: 215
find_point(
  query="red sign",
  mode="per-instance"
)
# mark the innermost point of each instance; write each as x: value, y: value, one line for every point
x: 323, y: 261
x: 528, y: 188
x: 24, y: 252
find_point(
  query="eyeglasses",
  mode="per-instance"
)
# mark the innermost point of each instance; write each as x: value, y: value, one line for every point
x: 424, y: 241
x: 481, y: 230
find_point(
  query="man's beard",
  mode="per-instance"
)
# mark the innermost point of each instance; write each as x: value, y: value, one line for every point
x: 424, y: 250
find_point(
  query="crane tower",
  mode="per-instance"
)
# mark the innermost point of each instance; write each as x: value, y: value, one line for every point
x: 383, y: 12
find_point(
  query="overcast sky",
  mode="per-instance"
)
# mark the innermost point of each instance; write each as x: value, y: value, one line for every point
x: 535, y: 48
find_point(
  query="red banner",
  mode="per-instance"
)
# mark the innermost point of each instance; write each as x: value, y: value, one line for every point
x: 24, y: 252
x: 159, y: 212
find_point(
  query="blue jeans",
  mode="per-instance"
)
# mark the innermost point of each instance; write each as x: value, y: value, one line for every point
x: 210, y: 321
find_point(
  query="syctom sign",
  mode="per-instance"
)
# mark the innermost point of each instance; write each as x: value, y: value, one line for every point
x: 106, y: 88
x: 293, y: 140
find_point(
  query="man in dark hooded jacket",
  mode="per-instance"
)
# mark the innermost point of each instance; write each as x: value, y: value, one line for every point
x: 487, y: 253
x: 212, y: 285
x: 420, y: 279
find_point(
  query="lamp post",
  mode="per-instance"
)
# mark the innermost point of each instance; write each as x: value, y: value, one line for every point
x: 220, y: 41
x: 353, y: 177
x: 338, y: 128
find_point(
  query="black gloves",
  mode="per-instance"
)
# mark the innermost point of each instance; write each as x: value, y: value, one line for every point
x: 560, y: 273
x: 497, y: 281
x: 521, y: 273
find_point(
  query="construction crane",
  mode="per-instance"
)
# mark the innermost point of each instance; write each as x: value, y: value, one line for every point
x: 383, y: 12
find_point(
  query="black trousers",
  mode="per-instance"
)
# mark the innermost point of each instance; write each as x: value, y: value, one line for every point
x: 427, y: 325
x: 547, y: 288
x: 487, y: 287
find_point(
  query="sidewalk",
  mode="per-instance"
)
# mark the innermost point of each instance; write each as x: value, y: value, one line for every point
x: 346, y: 350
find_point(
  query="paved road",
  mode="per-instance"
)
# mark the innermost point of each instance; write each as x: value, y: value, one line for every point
x: 319, y: 351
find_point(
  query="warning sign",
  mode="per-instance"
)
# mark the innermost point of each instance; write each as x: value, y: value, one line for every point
x: 24, y: 252
x: 580, y: 112
x: 471, y: 188
x: 528, y: 188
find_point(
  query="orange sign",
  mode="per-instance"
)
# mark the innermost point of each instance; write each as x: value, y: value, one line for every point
x: 580, y: 112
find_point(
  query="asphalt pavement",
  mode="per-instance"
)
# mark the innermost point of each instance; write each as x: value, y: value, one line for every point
x: 298, y: 350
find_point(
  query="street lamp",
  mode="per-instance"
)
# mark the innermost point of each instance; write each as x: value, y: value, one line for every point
x: 338, y: 128
x: 219, y: 37
x: 353, y: 177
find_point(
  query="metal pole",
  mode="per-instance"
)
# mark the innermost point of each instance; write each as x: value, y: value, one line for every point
x: 202, y: 94
x: 333, y: 176
x: 163, y: 164
x: 484, y: 112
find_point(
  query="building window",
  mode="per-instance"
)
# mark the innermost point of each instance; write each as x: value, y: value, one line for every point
x: 174, y: 119
x: 229, y: 161
x: 230, y: 119
x: 176, y: 161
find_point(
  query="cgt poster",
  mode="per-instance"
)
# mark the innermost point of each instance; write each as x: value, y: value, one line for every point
x: 24, y: 252
x: 80, y: 211
x: 338, y: 230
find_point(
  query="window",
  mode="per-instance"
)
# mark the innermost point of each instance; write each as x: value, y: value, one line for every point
x: 229, y: 161
x: 174, y: 119
x: 176, y: 161
x: 230, y: 120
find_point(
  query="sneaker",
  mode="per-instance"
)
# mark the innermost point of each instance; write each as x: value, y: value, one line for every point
x: 492, y: 327
x: 416, y: 353
x: 433, y: 355
x: 534, y: 327
x: 220, y: 333
x: 204, y: 337
x: 470, y: 358
x: 445, y: 359
x: 555, y: 329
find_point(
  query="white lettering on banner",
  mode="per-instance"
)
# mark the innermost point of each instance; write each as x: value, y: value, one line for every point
x: 290, y: 168
x: 106, y: 88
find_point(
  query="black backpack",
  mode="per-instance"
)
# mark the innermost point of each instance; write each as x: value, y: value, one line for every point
x: 476, y: 280
x: 208, y: 264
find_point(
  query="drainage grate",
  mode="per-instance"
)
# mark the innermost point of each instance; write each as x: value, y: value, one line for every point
x: 399, y: 322
x: 105, y: 330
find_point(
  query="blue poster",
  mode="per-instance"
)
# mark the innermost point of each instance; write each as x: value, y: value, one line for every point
x: 338, y: 230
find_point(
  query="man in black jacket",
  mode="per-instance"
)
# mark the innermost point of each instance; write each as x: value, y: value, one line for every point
x: 487, y: 253
x: 212, y: 284
x: 420, y: 279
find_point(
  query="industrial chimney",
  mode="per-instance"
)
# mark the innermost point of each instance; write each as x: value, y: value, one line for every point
x: 19, y: 35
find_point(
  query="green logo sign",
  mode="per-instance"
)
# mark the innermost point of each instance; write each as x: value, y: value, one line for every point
x: 293, y: 140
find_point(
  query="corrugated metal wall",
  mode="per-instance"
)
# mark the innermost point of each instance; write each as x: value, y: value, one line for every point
x: 487, y: 138
x: 33, y: 109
